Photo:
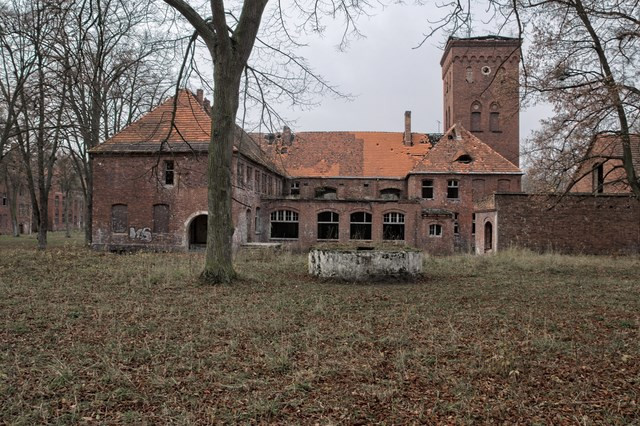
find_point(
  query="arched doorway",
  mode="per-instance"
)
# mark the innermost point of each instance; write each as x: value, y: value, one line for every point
x: 488, y: 237
x: 198, y: 233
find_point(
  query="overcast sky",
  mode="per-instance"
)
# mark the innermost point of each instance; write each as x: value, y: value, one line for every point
x: 386, y: 75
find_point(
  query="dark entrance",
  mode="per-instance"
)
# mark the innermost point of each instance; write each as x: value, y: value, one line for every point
x: 198, y: 233
x: 488, y: 237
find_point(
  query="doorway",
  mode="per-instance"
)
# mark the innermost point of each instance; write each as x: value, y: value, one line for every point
x: 198, y: 233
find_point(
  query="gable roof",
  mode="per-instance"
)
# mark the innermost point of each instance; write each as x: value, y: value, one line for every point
x: 383, y: 154
x: 190, y: 131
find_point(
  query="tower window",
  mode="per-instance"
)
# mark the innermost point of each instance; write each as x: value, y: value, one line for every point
x: 476, y: 117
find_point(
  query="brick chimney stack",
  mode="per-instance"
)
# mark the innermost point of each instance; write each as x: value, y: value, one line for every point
x: 200, y: 95
x: 407, y: 128
x: 207, y: 105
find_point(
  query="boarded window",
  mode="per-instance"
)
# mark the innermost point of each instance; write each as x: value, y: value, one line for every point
x: 494, y: 122
x: 328, y: 226
x: 160, y: 218
x: 360, y: 228
x: 504, y: 185
x: 284, y: 224
x: 393, y: 226
x: 478, y: 189
x: 427, y: 189
x: 390, y: 194
x: 453, y: 189
x: 168, y: 172
x: 119, y: 218
x: 476, y: 119
x: 435, y: 230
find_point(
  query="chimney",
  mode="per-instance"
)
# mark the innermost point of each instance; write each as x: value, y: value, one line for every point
x: 207, y: 106
x: 199, y: 95
x: 407, y: 128
x: 286, y: 136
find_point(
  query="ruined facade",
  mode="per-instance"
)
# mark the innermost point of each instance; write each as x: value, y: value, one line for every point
x: 305, y: 188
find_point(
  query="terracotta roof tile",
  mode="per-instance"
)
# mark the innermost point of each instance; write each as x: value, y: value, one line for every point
x: 383, y: 154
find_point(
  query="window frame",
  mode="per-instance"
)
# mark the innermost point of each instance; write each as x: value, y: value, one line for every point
x: 435, y: 230
x: 366, y: 225
x: 393, y: 220
x: 430, y: 187
x: 333, y: 222
x: 284, y: 216
x: 453, y: 185
x: 169, y: 173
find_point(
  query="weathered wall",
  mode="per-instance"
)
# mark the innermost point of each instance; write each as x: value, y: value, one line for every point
x: 364, y: 265
x: 577, y: 224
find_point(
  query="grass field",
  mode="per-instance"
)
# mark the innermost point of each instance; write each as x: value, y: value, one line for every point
x: 95, y: 338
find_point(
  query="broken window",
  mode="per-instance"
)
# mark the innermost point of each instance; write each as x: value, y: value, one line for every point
x: 284, y: 224
x: 295, y: 187
x: 435, y: 230
x: 393, y: 226
x: 456, y: 224
x: 328, y: 225
x: 390, y: 194
x: 119, y: 218
x: 4, y: 199
x: 240, y: 174
x: 168, y: 172
x: 473, y: 224
x: 249, y: 177
x: 326, y: 193
x: 453, y: 189
x: 598, y: 178
x: 160, y: 218
x: 360, y: 228
x: 427, y: 189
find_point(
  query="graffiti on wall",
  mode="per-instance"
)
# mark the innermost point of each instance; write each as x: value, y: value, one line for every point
x: 143, y: 234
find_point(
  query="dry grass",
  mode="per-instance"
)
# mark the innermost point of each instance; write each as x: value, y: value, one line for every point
x: 90, y: 337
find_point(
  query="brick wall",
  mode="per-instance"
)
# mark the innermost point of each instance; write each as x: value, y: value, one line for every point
x: 577, y: 224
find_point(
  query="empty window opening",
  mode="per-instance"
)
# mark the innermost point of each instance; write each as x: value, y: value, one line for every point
x: 427, y: 189
x: 393, y: 226
x: 390, y: 194
x: 453, y: 189
x: 198, y: 232
x: 248, y: 222
x: 328, y: 226
x: 598, y: 178
x: 435, y: 230
x: 473, y: 224
x: 326, y: 193
x: 168, y: 172
x: 464, y: 158
x: 295, y: 188
x: 160, y: 218
x: 360, y: 228
x: 119, y: 218
x: 284, y: 224
x: 488, y: 237
x: 456, y: 224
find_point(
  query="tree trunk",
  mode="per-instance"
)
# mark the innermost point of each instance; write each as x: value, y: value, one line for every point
x: 218, y: 266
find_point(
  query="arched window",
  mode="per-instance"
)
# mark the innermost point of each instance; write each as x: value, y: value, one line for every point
x: 326, y: 193
x: 488, y: 236
x: 160, y: 218
x: 284, y: 224
x: 390, y: 194
x: 328, y: 226
x: 360, y: 226
x: 393, y: 226
x: 494, y: 118
x: 119, y: 218
x: 476, y: 117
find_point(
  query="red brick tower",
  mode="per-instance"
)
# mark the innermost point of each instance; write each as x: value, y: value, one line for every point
x: 481, y: 90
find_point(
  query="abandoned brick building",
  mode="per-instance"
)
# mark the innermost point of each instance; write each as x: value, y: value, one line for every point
x: 431, y: 191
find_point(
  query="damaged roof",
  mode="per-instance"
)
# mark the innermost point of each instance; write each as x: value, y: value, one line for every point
x: 384, y: 155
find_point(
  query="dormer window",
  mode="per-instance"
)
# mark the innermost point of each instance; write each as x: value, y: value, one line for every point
x: 464, y: 158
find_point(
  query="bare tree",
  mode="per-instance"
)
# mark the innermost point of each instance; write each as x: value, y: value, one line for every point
x: 117, y: 68
x: 230, y: 33
x: 68, y: 181
x: 584, y: 60
x: 11, y: 175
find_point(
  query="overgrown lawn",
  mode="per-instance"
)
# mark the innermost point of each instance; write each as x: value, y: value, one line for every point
x: 90, y: 337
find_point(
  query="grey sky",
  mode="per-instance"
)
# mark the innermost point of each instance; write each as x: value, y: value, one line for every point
x: 387, y: 76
